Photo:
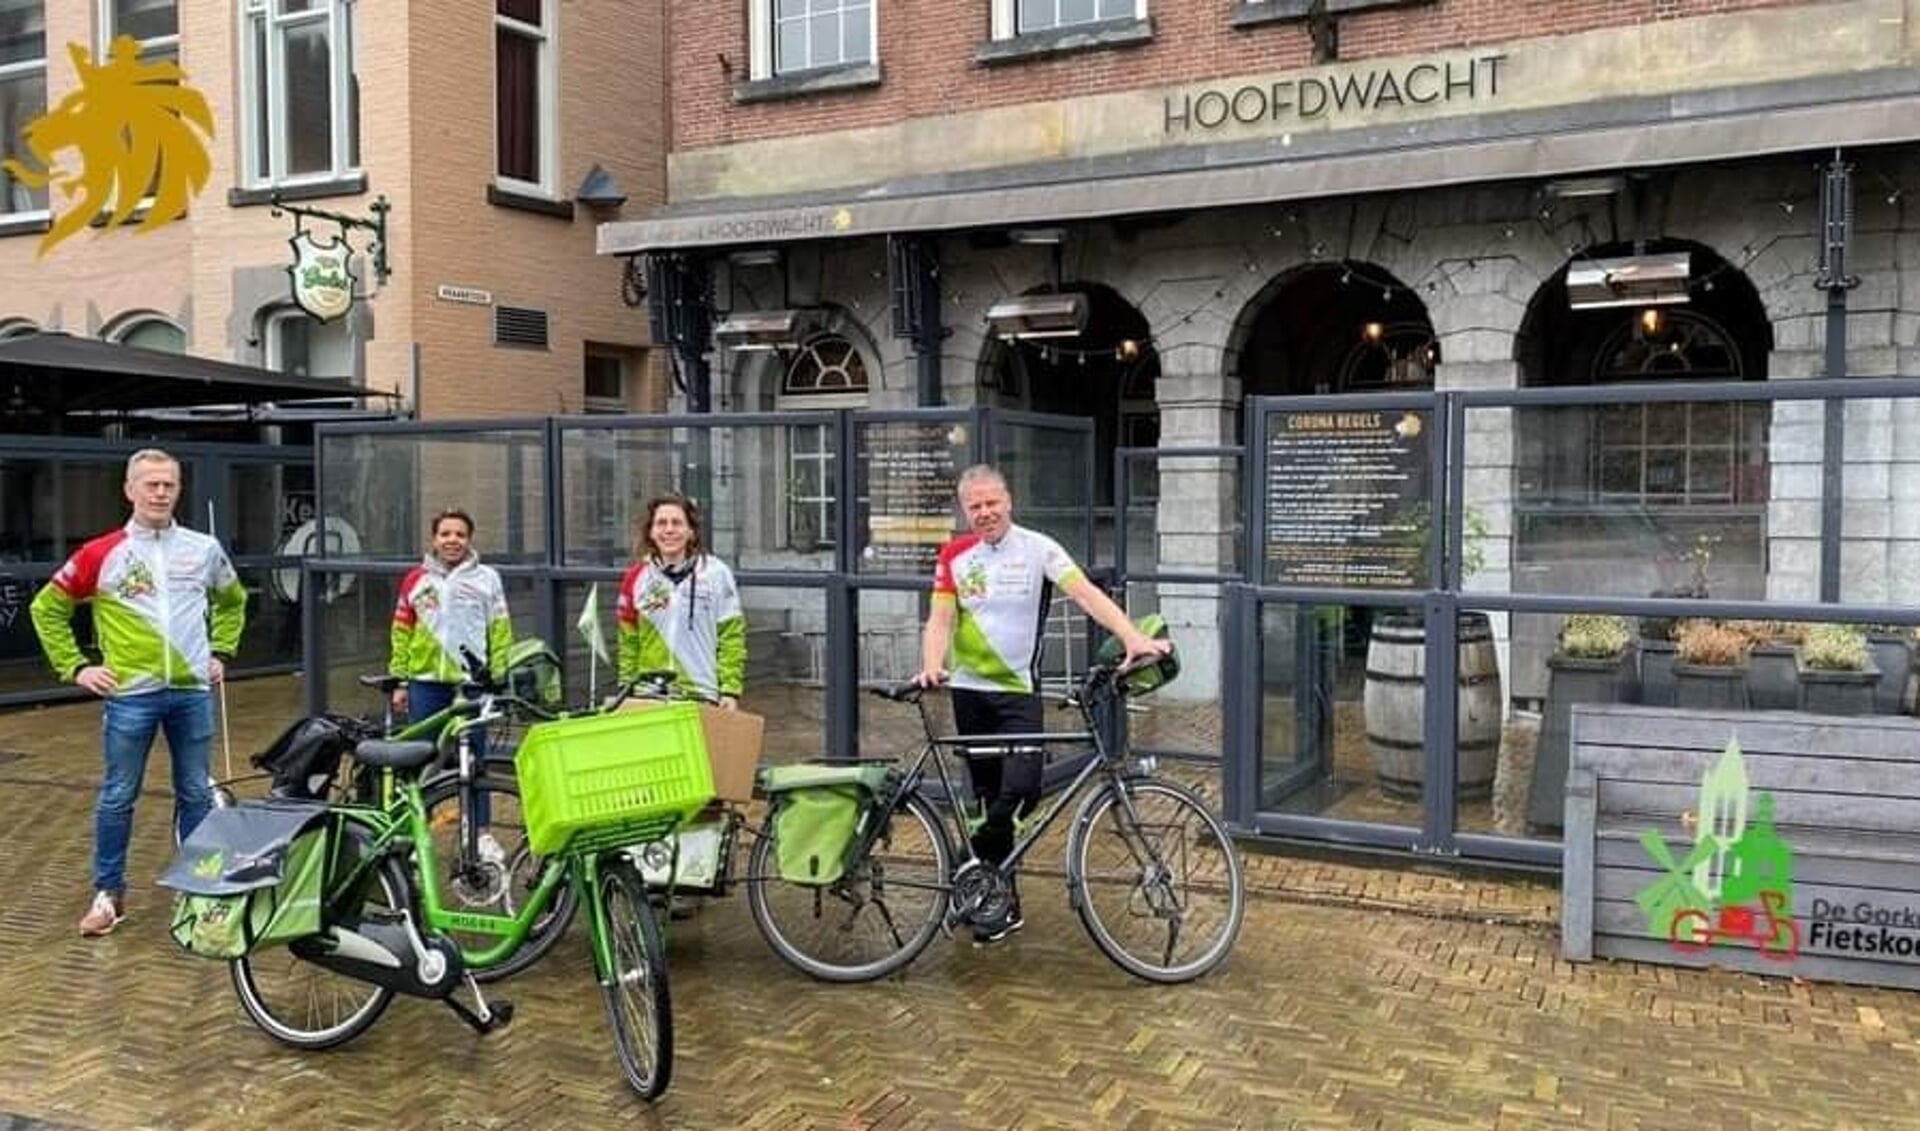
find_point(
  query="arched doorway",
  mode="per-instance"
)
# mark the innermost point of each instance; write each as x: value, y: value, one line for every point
x: 1635, y: 499
x: 1334, y: 328
x: 1319, y: 329
x: 1105, y: 373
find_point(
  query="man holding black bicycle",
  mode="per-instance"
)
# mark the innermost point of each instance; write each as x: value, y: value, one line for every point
x: 991, y: 590
x: 167, y: 613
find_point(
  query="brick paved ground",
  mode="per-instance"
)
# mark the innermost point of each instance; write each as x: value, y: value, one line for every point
x: 1358, y: 998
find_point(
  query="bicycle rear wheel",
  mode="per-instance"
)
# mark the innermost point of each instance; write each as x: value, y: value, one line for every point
x: 310, y: 1007
x: 469, y: 881
x: 875, y: 918
x: 1155, y: 880
x: 635, y: 987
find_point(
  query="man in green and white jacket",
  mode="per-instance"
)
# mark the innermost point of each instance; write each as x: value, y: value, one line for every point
x: 167, y: 613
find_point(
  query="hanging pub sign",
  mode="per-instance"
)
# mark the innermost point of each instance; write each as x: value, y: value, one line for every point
x: 322, y: 278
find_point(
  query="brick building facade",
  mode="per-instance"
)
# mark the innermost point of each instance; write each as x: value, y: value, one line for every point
x: 496, y: 305
x: 1276, y: 197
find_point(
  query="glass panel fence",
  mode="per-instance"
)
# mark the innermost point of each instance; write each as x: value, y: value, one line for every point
x: 767, y: 492
x: 1342, y: 713
x: 384, y: 486
x: 1184, y: 717
x: 1047, y: 468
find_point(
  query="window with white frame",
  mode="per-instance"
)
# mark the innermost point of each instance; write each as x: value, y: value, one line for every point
x: 16, y: 328
x: 826, y: 372
x: 794, y: 36
x: 153, y: 24
x: 23, y: 97
x: 525, y: 120
x: 1025, y: 17
x: 302, y: 345
x: 300, y: 100
x: 149, y: 332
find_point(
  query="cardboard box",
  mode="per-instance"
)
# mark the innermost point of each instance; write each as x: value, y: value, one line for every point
x: 734, y: 739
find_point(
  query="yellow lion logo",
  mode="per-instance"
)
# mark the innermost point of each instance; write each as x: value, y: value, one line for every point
x: 132, y: 124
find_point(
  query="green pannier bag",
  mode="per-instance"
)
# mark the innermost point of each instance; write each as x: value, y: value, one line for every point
x: 249, y: 877
x: 816, y: 816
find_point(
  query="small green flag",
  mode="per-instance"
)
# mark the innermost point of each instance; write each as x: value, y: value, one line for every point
x: 589, y: 625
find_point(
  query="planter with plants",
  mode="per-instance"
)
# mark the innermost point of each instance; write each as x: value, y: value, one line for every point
x: 1773, y: 682
x: 1592, y: 663
x: 1837, y: 673
x: 1892, y: 649
x: 1709, y: 667
x: 1658, y: 641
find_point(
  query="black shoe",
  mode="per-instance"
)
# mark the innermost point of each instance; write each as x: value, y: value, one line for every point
x: 984, y: 935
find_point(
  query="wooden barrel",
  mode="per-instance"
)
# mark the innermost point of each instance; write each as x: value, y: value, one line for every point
x: 1395, y: 703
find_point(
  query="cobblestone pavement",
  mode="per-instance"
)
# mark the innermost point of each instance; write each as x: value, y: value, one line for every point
x: 1357, y: 998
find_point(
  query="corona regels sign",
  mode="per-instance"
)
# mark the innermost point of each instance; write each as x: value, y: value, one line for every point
x: 321, y: 276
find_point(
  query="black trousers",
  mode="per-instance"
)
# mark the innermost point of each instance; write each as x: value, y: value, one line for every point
x: 1005, y: 784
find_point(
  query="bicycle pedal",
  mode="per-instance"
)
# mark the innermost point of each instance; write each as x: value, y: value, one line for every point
x: 502, y: 1013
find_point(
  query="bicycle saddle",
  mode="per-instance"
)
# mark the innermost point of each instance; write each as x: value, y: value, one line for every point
x: 385, y: 684
x: 395, y: 755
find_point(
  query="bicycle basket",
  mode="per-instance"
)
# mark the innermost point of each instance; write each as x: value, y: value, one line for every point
x: 612, y: 780
x: 533, y: 673
x: 1154, y: 676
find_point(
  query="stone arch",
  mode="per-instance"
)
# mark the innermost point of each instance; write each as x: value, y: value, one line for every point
x: 1557, y: 345
x: 1107, y: 373
x: 755, y: 378
x: 1344, y: 326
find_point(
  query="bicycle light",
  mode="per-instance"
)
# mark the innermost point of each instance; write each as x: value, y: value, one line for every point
x: 656, y: 856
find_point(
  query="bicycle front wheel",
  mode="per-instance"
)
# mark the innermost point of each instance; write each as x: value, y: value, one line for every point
x: 1155, y: 880
x: 635, y: 985
x: 310, y: 1007
x: 875, y: 918
x: 491, y: 879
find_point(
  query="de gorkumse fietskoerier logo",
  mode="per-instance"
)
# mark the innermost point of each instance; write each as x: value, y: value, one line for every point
x: 1734, y: 886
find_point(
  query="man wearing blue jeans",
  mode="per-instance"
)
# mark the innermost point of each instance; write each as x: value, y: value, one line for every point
x: 167, y: 613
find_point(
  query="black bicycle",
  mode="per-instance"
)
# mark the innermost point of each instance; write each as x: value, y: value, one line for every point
x: 1150, y: 870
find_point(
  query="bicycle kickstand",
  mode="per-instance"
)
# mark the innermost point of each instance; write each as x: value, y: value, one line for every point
x: 483, y: 1018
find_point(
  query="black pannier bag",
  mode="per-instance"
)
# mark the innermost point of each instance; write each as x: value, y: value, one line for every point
x: 305, y: 758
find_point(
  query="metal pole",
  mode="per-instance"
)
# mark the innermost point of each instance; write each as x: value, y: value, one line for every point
x: 1440, y: 791
x: 1836, y: 220
x: 842, y: 688
x: 931, y: 332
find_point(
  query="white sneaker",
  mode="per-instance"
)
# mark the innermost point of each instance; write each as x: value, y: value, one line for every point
x: 491, y: 852
x: 103, y: 915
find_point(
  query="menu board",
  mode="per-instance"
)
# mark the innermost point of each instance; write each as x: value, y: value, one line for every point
x: 1347, y: 499
x: 910, y: 471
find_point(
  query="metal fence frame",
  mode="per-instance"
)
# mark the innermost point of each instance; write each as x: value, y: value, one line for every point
x: 1443, y: 601
x: 842, y: 583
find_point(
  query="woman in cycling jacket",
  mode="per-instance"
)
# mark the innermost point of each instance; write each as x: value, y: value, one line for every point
x: 679, y: 609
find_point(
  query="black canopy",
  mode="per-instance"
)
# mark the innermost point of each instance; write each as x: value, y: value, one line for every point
x: 56, y: 374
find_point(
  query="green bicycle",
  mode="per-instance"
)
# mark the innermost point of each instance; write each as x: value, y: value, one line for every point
x: 481, y: 858
x: 387, y: 926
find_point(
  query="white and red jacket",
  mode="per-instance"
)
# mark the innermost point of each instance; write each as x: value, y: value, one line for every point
x: 165, y: 603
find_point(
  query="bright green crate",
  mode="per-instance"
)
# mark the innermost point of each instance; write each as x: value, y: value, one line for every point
x: 623, y: 778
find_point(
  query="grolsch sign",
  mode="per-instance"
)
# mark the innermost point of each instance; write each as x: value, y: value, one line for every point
x: 321, y: 275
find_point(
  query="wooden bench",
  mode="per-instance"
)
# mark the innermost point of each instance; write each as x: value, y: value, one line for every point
x: 1845, y: 799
